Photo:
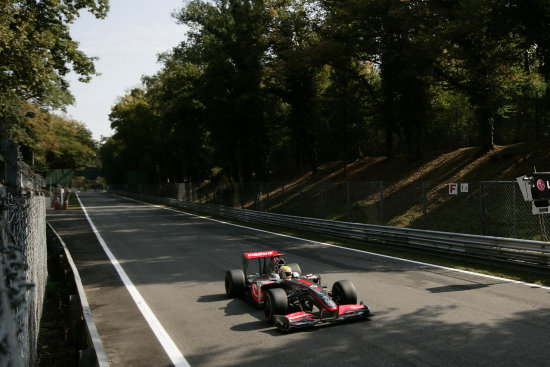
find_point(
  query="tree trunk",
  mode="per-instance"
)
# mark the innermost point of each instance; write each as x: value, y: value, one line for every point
x: 486, y: 129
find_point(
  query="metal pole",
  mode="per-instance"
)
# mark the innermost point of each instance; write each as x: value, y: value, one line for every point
x: 514, y: 210
x: 481, y: 208
x: 424, y: 205
x: 323, y: 199
x: 266, y: 188
x: 348, y: 201
x: 381, y: 189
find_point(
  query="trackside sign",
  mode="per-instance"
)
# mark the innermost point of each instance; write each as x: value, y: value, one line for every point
x: 453, y: 189
x: 541, y: 186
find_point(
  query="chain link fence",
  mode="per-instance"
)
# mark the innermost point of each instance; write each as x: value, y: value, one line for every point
x: 23, y: 259
x: 492, y: 208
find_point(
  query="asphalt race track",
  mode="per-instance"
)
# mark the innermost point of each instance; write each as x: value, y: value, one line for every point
x: 424, y: 315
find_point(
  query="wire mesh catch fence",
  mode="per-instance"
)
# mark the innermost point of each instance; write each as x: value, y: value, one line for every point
x: 492, y: 208
x: 506, y: 214
x: 23, y: 260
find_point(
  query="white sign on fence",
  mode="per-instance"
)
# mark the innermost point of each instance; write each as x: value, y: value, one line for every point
x: 453, y: 189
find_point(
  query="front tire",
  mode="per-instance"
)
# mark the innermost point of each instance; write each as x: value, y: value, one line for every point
x: 234, y: 283
x: 343, y: 292
x: 276, y: 303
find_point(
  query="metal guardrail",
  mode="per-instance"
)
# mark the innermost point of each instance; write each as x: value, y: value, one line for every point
x: 533, y: 254
x: 84, y: 335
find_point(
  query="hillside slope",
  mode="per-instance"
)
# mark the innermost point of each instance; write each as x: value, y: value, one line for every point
x: 400, y: 192
x: 464, y: 164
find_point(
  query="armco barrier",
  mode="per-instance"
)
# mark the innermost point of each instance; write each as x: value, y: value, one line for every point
x: 83, y: 332
x: 530, y: 254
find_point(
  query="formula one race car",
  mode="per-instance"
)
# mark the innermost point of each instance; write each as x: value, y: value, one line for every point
x: 292, y: 300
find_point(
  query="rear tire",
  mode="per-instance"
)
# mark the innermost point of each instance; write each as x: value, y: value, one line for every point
x: 276, y: 303
x: 234, y: 283
x: 343, y: 292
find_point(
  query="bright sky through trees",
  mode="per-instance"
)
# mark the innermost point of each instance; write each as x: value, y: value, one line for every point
x: 127, y: 43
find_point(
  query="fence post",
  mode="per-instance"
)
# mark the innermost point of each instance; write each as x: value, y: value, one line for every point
x: 424, y: 216
x: 235, y: 195
x: 482, y: 208
x: 514, y: 209
x: 266, y: 189
x: 348, y: 200
x: 181, y: 191
x: 381, y: 189
x: 322, y: 199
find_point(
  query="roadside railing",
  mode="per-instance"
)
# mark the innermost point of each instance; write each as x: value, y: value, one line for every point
x: 83, y: 333
x: 524, y: 253
x: 487, y: 208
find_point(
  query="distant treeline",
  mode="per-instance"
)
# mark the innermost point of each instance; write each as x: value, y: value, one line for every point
x: 260, y: 86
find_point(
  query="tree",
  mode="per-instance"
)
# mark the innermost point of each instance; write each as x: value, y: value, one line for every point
x: 229, y: 38
x: 173, y: 93
x: 36, y: 50
x: 261, y: 85
x: 400, y: 38
x: 73, y: 146
x: 294, y: 75
x: 136, y: 129
x: 484, y: 60
x: 532, y: 21
x: 113, y: 161
x: 50, y: 141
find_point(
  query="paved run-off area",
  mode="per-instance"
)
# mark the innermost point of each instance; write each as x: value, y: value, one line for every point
x: 425, y: 316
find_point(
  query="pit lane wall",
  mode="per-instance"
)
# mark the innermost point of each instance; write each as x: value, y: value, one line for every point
x: 499, y: 250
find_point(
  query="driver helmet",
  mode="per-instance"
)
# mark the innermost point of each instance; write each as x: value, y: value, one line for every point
x: 285, y: 272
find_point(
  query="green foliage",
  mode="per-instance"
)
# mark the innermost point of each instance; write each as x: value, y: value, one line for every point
x: 264, y: 86
x: 231, y: 39
x: 137, y: 133
x: 36, y: 54
x: 174, y: 94
x: 49, y: 141
x: 36, y: 50
x: 82, y: 183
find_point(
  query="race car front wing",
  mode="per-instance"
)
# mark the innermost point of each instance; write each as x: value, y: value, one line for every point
x: 302, y: 319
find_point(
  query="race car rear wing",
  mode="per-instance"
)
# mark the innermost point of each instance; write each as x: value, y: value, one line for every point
x: 260, y: 254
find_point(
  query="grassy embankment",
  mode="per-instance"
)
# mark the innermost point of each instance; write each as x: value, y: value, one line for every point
x: 304, y: 191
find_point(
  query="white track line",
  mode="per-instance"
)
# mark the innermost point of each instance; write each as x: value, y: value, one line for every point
x: 350, y: 249
x: 167, y: 343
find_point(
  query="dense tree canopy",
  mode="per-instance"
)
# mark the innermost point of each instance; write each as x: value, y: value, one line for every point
x: 36, y: 54
x: 49, y: 141
x: 36, y: 49
x: 262, y: 85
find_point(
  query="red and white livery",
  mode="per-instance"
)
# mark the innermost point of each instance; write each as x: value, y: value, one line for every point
x: 292, y: 300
